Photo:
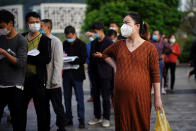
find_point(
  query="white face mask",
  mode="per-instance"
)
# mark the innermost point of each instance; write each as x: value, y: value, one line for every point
x: 172, y: 41
x: 4, y: 31
x: 112, y: 28
x: 126, y: 30
x: 34, y: 27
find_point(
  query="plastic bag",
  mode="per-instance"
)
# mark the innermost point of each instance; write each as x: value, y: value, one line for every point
x: 162, y: 123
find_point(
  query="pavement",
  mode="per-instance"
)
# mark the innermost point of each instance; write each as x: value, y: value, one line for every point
x: 180, y: 108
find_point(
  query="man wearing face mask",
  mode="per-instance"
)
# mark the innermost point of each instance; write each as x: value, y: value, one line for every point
x: 114, y: 26
x: 102, y: 76
x: 112, y: 35
x: 161, y: 46
x: 36, y: 75
x: 54, y: 69
x: 74, y: 77
x: 13, y: 57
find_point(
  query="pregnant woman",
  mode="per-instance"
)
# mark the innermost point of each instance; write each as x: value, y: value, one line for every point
x: 135, y: 62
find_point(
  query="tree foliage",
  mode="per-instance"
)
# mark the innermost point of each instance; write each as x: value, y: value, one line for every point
x: 159, y: 14
x: 96, y: 4
x: 171, y: 3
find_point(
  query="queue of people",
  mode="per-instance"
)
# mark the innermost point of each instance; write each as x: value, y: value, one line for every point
x: 121, y: 68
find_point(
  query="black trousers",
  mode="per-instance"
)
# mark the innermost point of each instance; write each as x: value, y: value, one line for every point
x: 14, y: 98
x: 55, y: 96
x: 193, y: 72
x: 2, y: 106
x: 36, y: 89
x: 172, y: 67
x: 102, y: 87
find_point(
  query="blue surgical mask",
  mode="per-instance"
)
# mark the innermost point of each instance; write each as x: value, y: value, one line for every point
x: 155, y: 37
x: 96, y: 35
x: 91, y: 39
x: 70, y: 40
x: 42, y: 31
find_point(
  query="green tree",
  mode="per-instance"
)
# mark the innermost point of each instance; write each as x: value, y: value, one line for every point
x: 96, y: 4
x: 158, y: 14
x: 171, y: 3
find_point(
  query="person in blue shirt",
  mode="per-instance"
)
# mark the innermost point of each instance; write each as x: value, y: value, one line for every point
x: 91, y: 37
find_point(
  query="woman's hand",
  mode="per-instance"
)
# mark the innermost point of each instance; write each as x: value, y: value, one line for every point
x: 158, y: 103
x: 157, y: 96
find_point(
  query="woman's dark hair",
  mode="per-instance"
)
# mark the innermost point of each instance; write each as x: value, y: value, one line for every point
x: 6, y: 16
x: 146, y: 34
x: 69, y: 29
x: 31, y: 14
x: 138, y: 20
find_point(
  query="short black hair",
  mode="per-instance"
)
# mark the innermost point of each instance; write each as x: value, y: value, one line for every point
x: 31, y: 14
x: 114, y: 23
x: 97, y: 26
x: 112, y: 33
x: 6, y: 16
x: 69, y: 29
x: 48, y: 21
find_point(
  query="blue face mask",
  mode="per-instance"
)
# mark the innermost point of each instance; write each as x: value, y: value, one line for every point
x: 96, y: 35
x: 91, y: 39
x: 42, y: 31
x: 155, y: 37
x: 70, y: 40
x: 113, y: 41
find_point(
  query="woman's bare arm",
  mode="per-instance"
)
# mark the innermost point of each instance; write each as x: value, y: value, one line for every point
x: 111, y: 62
x: 157, y: 96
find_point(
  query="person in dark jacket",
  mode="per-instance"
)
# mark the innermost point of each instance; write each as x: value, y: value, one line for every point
x: 36, y: 75
x: 102, y: 75
x: 73, y: 46
x: 114, y: 26
x: 112, y: 35
x: 193, y: 59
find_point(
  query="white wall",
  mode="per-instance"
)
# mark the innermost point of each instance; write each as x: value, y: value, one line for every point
x: 17, y: 11
x: 63, y: 15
